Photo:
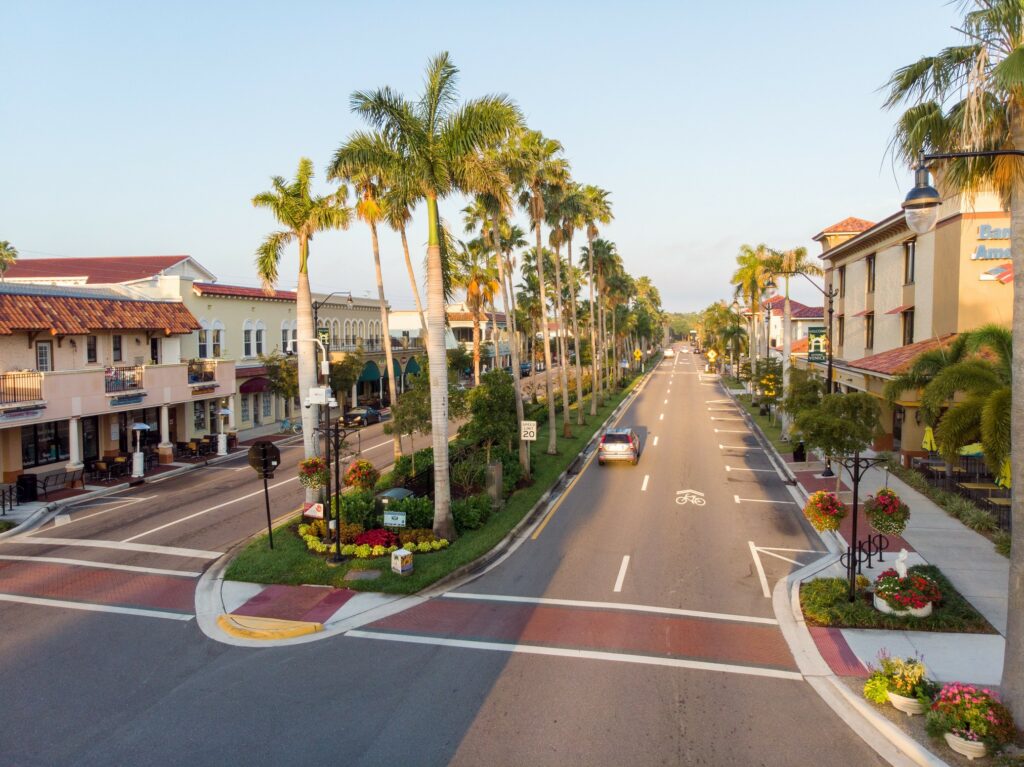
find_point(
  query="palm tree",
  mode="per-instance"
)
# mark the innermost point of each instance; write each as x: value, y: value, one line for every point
x: 605, y: 262
x: 971, y: 97
x: 597, y: 209
x: 368, y: 182
x: 438, y: 141
x: 302, y: 215
x: 789, y: 262
x: 8, y: 255
x: 553, y: 218
x: 923, y: 370
x: 754, y: 270
x: 539, y: 166
x: 398, y: 201
x: 475, y: 272
x: 573, y: 206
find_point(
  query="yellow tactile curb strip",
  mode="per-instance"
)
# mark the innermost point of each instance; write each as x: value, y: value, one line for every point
x: 248, y: 627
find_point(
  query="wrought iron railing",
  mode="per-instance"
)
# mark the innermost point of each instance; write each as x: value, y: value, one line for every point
x: 24, y: 386
x: 124, y: 378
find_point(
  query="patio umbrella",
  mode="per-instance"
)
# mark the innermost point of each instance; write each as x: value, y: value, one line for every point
x: 138, y: 428
x: 973, y: 450
x: 929, y: 440
x: 1004, y: 478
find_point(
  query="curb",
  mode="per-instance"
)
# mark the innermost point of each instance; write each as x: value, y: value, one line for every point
x: 249, y: 627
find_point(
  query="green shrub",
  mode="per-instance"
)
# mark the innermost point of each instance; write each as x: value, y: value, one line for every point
x: 511, y: 471
x: 468, y: 473
x: 386, y: 481
x: 471, y: 513
x: 403, y: 466
x: 980, y: 520
x: 1002, y: 540
x: 419, y: 512
x: 357, y: 508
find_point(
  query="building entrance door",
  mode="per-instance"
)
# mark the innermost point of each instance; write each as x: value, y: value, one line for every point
x: 898, y: 415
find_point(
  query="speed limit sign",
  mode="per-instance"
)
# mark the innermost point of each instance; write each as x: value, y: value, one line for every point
x: 528, y: 431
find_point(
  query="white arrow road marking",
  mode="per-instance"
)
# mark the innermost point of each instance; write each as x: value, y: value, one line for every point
x: 760, y: 570
x: 761, y: 500
x: 622, y: 573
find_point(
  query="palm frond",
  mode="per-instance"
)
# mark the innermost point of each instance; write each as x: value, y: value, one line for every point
x: 996, y: 434
x: 268, y: 258
x: 959, y: 426
x: 972, y: 376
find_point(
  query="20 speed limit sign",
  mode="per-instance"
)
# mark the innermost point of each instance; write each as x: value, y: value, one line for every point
x: 528, y: 431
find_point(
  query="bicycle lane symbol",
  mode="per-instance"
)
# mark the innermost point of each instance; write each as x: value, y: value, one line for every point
x: 695, y: 497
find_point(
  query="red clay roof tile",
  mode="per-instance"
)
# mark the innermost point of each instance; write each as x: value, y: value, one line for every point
x: 898, y: 360
x: 108, y: 269
x: 69, y: 315
x: 850, y: 225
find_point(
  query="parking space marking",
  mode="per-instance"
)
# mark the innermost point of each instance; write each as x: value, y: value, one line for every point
x: 89, y: 606
x: 101, y: 565
x: 761, y: 500
x: 744, y: 468
x: 643, y: 487
x: 738, y: 447
x: 148, y: 548
x: 661, y: 417
x: 622, y: 574
x: 655, y: 441
x: 732, y: 431
x: 760, y: 570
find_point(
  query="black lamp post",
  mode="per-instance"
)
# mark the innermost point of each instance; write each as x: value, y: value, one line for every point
x: 322, y: 301
x: 335, y: 436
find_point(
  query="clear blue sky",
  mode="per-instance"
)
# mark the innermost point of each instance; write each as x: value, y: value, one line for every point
x: 145, y: 128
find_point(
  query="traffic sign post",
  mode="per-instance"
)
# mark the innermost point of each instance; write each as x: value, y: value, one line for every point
x: 264, y: 457
x: 528, y: 434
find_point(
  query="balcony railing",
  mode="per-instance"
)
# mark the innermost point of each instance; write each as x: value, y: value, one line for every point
x: 202, y: 371
x: 20, y: 387
x: 121, y: 379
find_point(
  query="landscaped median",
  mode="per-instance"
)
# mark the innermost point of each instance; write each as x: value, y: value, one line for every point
x: 292, y: 562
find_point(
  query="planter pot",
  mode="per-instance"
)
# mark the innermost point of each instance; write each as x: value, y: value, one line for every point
x: 914, y: 612
x: 972, y: 749
x: 909, y: 706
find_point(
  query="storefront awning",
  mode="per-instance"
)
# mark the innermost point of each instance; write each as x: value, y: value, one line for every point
x: 370, y: 372
x: 862, y: 313
x: 254, y: 386
x: 412, y: 367
x: 900, y: 309
x: 396, y: 365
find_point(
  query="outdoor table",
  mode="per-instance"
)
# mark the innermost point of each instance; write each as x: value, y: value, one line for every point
x: 971, y: 487
x: 999, y: 501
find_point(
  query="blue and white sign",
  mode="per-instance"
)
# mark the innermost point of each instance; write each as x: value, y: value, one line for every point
x: 987, y: 232
x: 394, y: 519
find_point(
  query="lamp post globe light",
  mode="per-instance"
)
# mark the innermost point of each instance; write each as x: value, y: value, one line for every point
x: 921, y: 206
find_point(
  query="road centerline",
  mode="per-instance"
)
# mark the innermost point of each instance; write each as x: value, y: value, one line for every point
x: 622, y: 574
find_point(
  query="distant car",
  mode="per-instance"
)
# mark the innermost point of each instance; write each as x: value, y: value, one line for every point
x: 670, y: 352
x: 619, y: 445
x: 388, y: 497
x: 524, y: 369
x: 361, y: 416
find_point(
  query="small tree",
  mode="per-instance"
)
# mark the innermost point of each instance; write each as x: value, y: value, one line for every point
x: 344, y: 373
x: 411, y: 414
x: 492, y: 408
x: 804, y: 391
x: 840, y: 425
x: 282, y: 375
x: 769, y: 382
x: 459, y: 360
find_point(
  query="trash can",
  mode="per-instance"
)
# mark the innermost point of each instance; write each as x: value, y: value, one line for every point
x: 27, y: 488
x: 799, y: 453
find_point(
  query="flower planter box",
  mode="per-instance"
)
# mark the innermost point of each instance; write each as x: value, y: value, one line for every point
x: 909, y: 706
x: 915, y: 612
x: 972, y: 749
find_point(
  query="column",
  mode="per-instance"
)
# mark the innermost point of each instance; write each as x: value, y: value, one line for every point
x: 355, y: 393
x: 165, y: 450
x: 74, y: 444
x: 232, y: 406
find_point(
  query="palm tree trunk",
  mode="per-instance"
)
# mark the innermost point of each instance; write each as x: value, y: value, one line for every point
x: 562, y: 351
x: 388, y: 357
x: 306, y: 353
x: 476, y: 347
x: 552, y: 434
x: 575, y: 332
x: 615, y: 349
x: 1013, y: 669
x: 438, y: 363
x: 513, y: 343
x: 786, y: 348
x: 412, y: 282
x: 495, y: 340
x: 595, y: 382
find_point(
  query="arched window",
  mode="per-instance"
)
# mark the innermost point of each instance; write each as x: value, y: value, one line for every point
x: 216, y: 338
x: 362, y: 330
x: 203, y: 340
x: 295, y: 335
x: 247, y: 333
x: 260, y: 335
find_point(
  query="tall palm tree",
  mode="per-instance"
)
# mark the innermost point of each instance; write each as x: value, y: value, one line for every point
x: 923, y: 370
x: 597, y: 209
x: 368, y: 182
x: 754, y: 267
x: 8, y: 255
x: 398, y: 202
x: 439, y: 142
x: 789, y: 262
x: 971, y: 97
x: 477, y: 274
x: 573, y: 206
x: 540, y: 167
x: 302, y: 215
x: 553, y: 218
x: 605, y: 262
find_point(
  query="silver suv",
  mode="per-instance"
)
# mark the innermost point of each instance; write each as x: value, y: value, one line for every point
x: 619, y: 445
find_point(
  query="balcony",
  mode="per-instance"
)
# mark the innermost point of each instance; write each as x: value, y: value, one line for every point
x: 20, y: 388
x: 122, y: 379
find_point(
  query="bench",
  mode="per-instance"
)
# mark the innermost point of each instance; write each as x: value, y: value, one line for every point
x: 59, y: 480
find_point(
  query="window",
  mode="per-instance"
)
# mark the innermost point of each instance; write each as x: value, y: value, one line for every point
x: 840, y: 329
x: 870, y: 264
x: 267, y: 405
x: 295, y: 337
x: 842, y: 281
x: 245, y: 407
x: 869, y: 331
x: 260, y: 331
x: 284, y: 340
x: 217, y: 340
x: 204, y: 344
x: 247, y: 343
x: 909, y: 255
x: 199, y: 416
x: 908, y: 326
x: 44, y: 443
x: 117, y: 348
x: 90, y: 349
x: 44, y: 356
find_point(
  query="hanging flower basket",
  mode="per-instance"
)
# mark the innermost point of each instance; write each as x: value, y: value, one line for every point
x: 361, y: 474
x: 886, y: 512
x: 825, y: 511
x: 313, y: 473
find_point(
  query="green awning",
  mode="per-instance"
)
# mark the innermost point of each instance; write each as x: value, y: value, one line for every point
x: 397, y: 368
x: 370, y: 372
x: 412, y: 367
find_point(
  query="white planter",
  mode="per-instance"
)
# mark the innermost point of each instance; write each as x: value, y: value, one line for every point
x: 909, y: 706
x: 915, y: 612
x: 972, y: 749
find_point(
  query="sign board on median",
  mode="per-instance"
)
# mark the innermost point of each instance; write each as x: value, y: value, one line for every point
x: 528, y: 431
x: 313, y: 510
x: 712, y: 355
x: 264, y: 457
x: 637, y: 354
x: 394, y: 519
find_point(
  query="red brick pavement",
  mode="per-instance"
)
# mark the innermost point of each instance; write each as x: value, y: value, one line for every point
x: 813, y: 483
x: 837, y: 653
x: 296, y: 603
x: 97, y: 586
x: 596, y: 629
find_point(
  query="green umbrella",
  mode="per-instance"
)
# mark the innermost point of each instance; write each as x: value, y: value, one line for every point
x: 973, y: 450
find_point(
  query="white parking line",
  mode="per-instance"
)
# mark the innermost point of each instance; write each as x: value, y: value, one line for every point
x: 744, y: 468
x: 655, y: 441
x: 724, y: 418
x: 732, y: 431
x: 622, y: 573
x: 643, y: 487
x: 760, y: 570
x: 661, y: 417
x: 104, y: 511
x: 666, y: 402
x: 171, y: 551
x: 738, y: 447
x: 760, y: 500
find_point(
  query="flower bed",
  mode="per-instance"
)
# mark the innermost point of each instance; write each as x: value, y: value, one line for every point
x: 361, y: 474
x: 915, y: 592
x: 886, y: 513
x: 902, y: 682
x: 370, y: 544
x: 825, y: 511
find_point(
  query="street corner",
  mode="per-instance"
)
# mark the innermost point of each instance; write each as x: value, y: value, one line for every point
x: 265, y: 629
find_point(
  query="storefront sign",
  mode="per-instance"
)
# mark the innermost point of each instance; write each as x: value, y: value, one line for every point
x: 132, y: 399
x: 197, y: 390
x: 986, y: 253
x: 817, y: 345
x: 14, y: 415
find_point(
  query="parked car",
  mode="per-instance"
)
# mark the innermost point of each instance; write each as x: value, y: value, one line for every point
x: 670, y: 352
x: 361, y: 416
x: 619, y: 445
x: 524, y: 369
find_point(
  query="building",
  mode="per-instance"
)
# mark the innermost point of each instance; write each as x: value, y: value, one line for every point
x: 801, y: 319
x: 900, y: 294
x: 82, y: 365
x: 459, y: 332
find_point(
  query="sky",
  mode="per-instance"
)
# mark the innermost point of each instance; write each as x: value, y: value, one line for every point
x: 144, y: 128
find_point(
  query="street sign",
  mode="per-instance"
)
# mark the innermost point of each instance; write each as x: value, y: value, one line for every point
x: 394, y: 519
x: 817, y: 345
x: 319, y: 395
x: 637, y: 355
x: 528, y: 431
x: 712, y: 355
x: 324, y: 334
x: 264, y: 457
x: 313, y: 510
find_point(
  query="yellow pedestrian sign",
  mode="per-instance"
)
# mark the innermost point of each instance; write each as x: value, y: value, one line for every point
x: 712, y: 355
x: 637, y: 355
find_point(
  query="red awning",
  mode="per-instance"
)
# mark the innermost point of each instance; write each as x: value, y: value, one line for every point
x: 862, y: 313
x: 900, y: 309
x: 254, y: 386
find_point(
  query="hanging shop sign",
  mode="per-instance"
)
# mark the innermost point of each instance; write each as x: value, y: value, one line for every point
x: 817, y: 345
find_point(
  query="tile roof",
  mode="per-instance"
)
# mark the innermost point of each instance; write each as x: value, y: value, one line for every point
x: 239, y: 291
x: 898, y: 360
x: 849, y: 225
x: 62, y: 314
x: 797, y: 310
x: 108, y: 269
x: 799, y: 346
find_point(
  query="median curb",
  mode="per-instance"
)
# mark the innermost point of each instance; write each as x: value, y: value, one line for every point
x: 249, y: 627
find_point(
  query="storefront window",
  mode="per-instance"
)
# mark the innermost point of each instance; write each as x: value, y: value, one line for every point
x: 44, y: 443
x: 199, y: 416
x: 245, y: 407
x: 267, y: 405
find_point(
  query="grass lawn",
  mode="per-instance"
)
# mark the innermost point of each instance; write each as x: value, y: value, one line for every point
x: 824, y: 602
x: 771, y: 430
x: 6, y: 524
x: 291, y: 563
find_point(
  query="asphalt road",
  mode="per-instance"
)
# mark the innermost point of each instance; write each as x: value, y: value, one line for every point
x: 566, y: 652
